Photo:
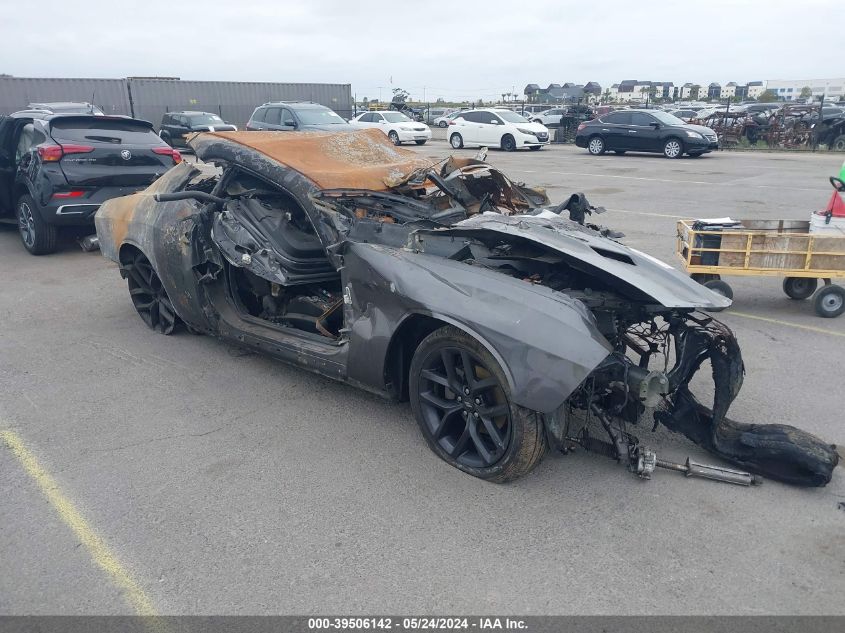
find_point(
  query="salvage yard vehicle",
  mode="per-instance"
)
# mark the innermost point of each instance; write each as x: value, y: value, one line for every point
x: 443, y: 121
x: 57, y: 169
x: 398, y: 127
x: 176, y: 127
x: 645, y: 131
x: 496, y: 127
x: 510, y: 324
x: 287, y: 116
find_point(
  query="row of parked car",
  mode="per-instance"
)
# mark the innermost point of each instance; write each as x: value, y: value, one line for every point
x: 59, y: 162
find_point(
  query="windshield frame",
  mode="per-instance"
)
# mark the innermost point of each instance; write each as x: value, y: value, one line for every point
x: 202, y: 119
x: 398, y: 117
x: 509, y: 116
x: 672, y: 119
x: 321, y: 116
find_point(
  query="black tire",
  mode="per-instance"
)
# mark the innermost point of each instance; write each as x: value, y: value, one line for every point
x: 829, y: 302
x: 800, y: 288
x: 456, y: 141
x: 443, y: 124
x: 450, y: 407
x: 149, y: 296
x: 420, y: 142
x: 394, y: 137
x: 838, y: 144
x: 508, y: 143
x: 673, y: 147
x: 719, y: 287
x: 619, y: 152
x: 38, y: 237
x: 596, y: 146
x: 535, y: 148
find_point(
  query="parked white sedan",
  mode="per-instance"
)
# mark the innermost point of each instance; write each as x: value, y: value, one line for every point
x: 496, y: 128
x: 398, y: 127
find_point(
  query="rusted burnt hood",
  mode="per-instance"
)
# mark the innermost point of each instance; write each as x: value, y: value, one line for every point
x: 633, y: 272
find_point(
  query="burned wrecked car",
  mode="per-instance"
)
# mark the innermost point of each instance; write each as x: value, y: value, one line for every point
x: 510, y: 324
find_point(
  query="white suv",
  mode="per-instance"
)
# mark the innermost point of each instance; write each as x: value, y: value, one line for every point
x: 398, y: 127
x: 496, y: 128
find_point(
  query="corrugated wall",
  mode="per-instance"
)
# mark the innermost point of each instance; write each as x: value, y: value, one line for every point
x: 151, y: 98
x: 109, y: 94
x: 233, y: 101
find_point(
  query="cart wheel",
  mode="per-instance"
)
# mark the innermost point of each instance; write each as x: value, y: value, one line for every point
x: 719, y: 287
x: 829, y: 302
x: 800, y: 287
x: 703, y: 278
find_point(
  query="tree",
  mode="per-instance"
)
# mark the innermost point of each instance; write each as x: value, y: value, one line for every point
x: 767, y: 96
x: 806, y: 92
x: 365, y: 101
x: 399, y: 95
x: 694, y: 93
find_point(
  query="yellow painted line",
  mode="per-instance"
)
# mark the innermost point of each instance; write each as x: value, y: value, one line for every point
x: 97, y: 548
x: 809, y: 328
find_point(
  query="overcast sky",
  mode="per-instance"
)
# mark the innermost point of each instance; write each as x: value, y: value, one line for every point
x: 464, y: 49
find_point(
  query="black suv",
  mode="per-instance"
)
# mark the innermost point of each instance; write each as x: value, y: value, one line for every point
x: 296, y: 115
x: 56, y: 169
x: 645, y: 131
x: 177, y: 126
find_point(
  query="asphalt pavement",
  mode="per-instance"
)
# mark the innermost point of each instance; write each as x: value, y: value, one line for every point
x: 183, y: 475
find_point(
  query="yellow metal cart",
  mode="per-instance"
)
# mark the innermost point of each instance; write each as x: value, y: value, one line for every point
x: 775, y: 248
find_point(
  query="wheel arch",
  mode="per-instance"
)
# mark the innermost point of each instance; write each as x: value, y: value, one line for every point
x: 406, y: 339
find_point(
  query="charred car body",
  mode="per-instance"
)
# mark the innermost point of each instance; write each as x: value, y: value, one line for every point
x: 509, y: 324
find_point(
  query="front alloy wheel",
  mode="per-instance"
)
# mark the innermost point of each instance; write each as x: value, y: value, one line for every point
x: 672, y: 148
x: 461, y: 401
x: 596, y: 146
x: 394, y: 138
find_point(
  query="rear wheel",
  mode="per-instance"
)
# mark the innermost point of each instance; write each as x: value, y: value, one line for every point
x: 829, y: 302
x: 394, y: 137
x: 673, y: 148
x: 838, y: 144
x: 149, y: 296
x: 508, y: 143
x: 443, y: 124
x: 799, y: 288
x: 596, y: 146
x: 38, y: 237
x: 461, y: 400
x: 456, y: 141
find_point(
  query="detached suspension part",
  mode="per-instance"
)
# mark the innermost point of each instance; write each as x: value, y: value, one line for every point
x: 642, y: 461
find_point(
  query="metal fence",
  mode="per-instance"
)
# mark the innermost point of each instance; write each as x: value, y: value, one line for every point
x: 110, y: 94
x: 233, y: 101
x: 149, y: 99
